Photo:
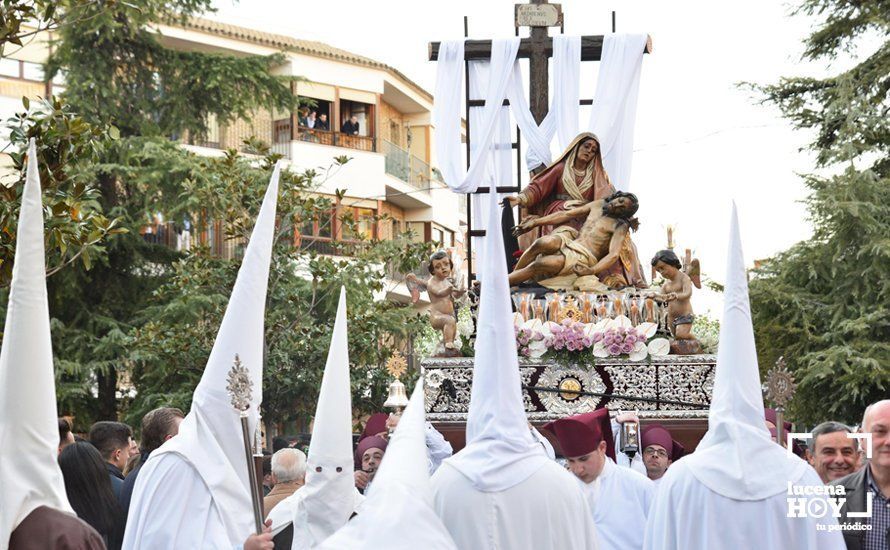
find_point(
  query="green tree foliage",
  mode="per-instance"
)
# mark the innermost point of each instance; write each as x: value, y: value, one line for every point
x: 66, y: 147
x: 21, y: 20
x: 169, y: 350
x: 117, y: 70
x: 145, y: 316
x: 825, y: 304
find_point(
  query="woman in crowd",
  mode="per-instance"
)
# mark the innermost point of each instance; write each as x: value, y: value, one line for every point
x: 89, y: 492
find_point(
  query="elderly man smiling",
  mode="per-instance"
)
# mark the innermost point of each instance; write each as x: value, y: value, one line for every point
x: 832, y: 452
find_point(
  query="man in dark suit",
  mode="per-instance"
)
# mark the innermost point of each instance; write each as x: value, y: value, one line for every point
x: 870, y: 483
x: 322, y: 122
x: 114, y: 440
x: 350, y: 127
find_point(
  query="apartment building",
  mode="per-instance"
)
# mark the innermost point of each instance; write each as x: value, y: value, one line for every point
x: 360, y: 108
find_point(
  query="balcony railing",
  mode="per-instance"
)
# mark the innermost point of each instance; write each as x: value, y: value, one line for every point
x: 213, y: 236
x: 328, y: 247
x: 405, y: 166
x: 281, y: 133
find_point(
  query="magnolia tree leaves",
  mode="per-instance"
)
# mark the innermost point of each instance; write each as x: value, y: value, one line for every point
x: 75, y: 224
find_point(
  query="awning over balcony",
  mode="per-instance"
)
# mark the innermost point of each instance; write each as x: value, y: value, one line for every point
x: 402, y: 101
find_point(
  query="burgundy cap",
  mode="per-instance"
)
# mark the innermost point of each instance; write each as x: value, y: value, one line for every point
x: 770, y: 414
x: 581, y: 434
x: 370, y: 442
x: 656, y: 434
x: 376, y: 424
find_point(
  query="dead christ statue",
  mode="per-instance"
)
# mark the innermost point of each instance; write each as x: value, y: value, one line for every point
x: 598, y: 257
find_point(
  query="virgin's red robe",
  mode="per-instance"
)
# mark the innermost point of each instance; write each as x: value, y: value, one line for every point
x: 546, y: 195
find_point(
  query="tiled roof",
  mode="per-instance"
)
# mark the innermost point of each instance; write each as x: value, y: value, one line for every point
x: 308, y: 47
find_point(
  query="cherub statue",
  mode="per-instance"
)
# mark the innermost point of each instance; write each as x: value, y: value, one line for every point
x: 676, y: 293
x: 442, y: 290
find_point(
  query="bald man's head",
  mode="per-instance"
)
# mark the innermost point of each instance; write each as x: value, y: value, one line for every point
x: 876, y: 422
x: 875, y: 410
x: 288, y: 465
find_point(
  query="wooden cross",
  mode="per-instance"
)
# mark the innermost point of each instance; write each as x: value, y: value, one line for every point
x: 537, y: 48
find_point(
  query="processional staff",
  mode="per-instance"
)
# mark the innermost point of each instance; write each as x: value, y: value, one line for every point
x: 779, y: 389
x: 240, y: 389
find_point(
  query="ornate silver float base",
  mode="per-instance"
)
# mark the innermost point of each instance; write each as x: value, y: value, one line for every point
x: 679, y: 378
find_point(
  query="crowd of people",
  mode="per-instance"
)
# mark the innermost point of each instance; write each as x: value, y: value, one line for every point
x: 101, y: 471
x: 311, y: 119
x: 187, y: 484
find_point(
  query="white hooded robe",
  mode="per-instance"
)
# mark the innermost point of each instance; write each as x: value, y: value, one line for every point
x: 732, y: 491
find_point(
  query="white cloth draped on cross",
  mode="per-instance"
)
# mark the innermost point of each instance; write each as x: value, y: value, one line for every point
x: 612, y: 118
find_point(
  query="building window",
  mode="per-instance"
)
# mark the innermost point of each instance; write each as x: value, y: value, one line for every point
x: 363, y: 225
x: 418, y: 231
x: 439, y: 236
x: 32, y: 71
x: 10, y: 68
x: 307, y: 227
x: 361, y: 112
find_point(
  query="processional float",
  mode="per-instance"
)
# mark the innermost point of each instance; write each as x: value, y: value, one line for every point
x: 591, y: 331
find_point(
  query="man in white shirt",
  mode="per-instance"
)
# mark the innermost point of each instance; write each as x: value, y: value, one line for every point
x: 619, y: 498
x: 659, y: 450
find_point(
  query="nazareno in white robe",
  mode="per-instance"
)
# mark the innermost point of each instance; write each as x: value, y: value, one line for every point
x: 620, y: 500
x: 175, y: 496
x: 687, y: 515
x: 503, y: 520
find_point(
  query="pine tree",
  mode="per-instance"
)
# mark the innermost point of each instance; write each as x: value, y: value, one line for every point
x: 824, y: 304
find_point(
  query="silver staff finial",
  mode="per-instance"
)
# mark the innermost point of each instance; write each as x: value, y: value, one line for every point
x: 780, y: 384
x: 240, y: 386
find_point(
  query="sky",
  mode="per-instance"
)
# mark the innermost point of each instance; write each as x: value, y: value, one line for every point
x: 701, y: 141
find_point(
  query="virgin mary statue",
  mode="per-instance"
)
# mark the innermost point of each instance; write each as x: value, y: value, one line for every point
x: 575, y: 178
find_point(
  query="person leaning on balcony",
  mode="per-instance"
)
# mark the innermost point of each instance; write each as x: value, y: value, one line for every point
x: 322, y: 122
x: 350, y: 126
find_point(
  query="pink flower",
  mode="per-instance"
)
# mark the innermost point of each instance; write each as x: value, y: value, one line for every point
x: 627, y: 348
x: 615, y: 349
